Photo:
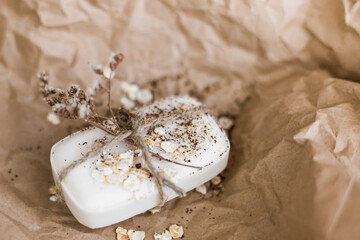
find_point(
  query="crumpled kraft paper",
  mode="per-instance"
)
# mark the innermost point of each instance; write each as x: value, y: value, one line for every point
x: 286, y: 70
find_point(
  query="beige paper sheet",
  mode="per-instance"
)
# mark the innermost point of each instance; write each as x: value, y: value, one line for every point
x: 286, y: 70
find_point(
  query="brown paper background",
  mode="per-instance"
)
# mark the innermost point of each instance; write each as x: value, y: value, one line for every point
x: 277, y: 66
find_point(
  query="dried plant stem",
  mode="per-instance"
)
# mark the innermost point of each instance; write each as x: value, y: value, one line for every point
x: 109, y: 104
x: 98, y: 125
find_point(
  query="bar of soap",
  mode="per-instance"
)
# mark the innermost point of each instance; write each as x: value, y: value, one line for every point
x: 113, y: 186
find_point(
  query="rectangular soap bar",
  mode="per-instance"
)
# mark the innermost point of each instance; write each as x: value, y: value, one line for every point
x: 111, y: 186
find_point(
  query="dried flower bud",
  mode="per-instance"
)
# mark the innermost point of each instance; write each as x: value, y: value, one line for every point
x: 97, y: 68
x: 114, y: 60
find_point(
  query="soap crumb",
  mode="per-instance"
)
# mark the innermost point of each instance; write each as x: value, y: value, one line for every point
x: 176, y: 231
x: 216, y: 180
x: 164, y: 236
x: 121, y: 234
x: 136, y: 235
x: 154, y: 210
x: 226, y: 123
x: 170, y: 173
x: 202, y: 189
x: 159, y: 130
x: 53, y: 118
x: 53, y: 198
x: 169, y: 147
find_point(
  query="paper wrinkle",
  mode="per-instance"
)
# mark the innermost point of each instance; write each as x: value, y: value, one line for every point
x: 279, y: 67
x: 352, y: 14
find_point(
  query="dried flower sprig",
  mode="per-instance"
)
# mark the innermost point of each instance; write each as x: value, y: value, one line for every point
x: 75, y: 103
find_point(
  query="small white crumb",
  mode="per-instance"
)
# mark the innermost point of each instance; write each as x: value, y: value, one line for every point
x: 53, y: 198
x: 159, y: 130
x: 127, y: 103
x: 144, y: 96
x: 132, y: 183
x: 176, y: 231
x: 136, y: 235
x: 106, y: 171
x: 130, y: 89
x: 202, y: 189
x: 169, y: 147
x: 154, y: 210
x: 53, y: 118
x: 216, y: 180
x: 226, y: 122
x: 121, y: 234
x: 158, y: 236
x: 163, y: 236
x: 170, y: 173
x: 138, y: 152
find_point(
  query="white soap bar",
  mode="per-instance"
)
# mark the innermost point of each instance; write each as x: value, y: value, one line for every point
x: 98, y: 196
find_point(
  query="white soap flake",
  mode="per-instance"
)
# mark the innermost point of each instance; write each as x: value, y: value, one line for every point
x: 158, y: 236
x: 53, y: 198
x: 176, y: 231
x: 202, y: 189
x: 127, y: 103
x: 166, y: 235
x: 170, y: 173
x: 138, y: 152
x: 132, y: 183
x: 154, y: 210
x: 226, y: 122
x: 169, y: 147
x: 144, y: 96
x: 136, y: 235
x: 160, y: 131
x: 106, y: 171
x: 121, y: 234
x: 53, y: 118
x: 216, y: 180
